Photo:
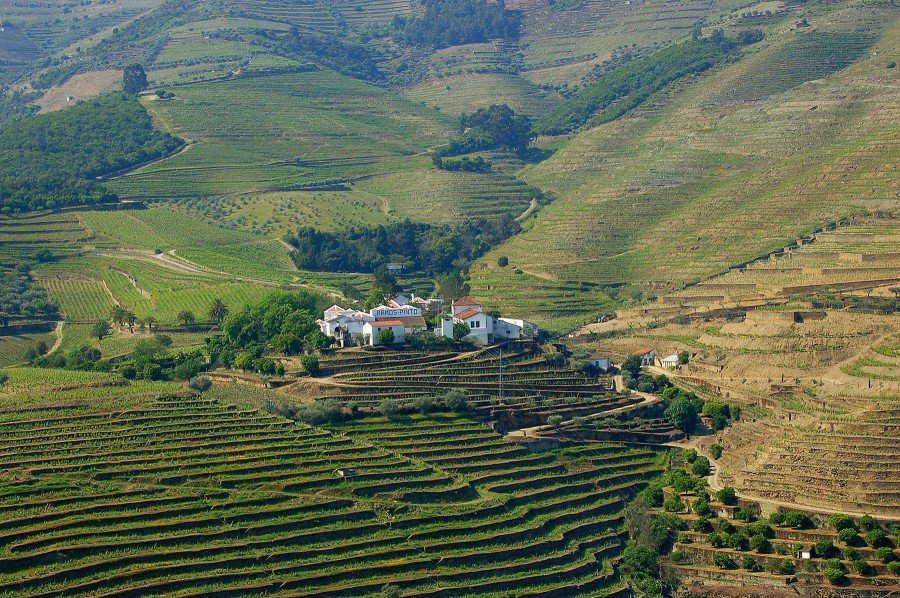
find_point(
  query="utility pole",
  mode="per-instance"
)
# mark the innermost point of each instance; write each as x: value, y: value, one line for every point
x: 501, y: 374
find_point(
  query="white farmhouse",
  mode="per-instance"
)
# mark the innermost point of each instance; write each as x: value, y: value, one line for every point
x: 602, y: 363
x: 671, y: 362
x: 648, y: 356
x: 343, y: 324
x: 484, y: 329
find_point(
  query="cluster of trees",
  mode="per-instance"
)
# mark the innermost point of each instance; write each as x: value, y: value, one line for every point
x: 495, y: 127
x: 283, y: 322
x: 431, y: 249
x: 621, y: 90
x: 341, y: 54
x: 683, y: 410
x: 456, y: 22
x: 19, y: 296
x: 634, y: 378
x: 52, y: 160
x: 465, y: 164
x: 153, y: 359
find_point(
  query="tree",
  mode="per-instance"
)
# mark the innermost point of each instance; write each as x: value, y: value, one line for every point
x: 186, y: 317
x: 726, y: 496
x: 4, y: 319
x: 385, y: 282
x: 632, y: 365
x: 456, y: 400
x: 134, y: 79
x: 834, y: 576
x: 390, y: 408
x: 876, y: 538
x: 130, y: 319
x: 118, y: 314
x: 310, y: 364
x: 682, y: 414
x: 723, y: 561
x: 640, y: 560
x: 385, y: 337
x: 701, y: 467
x: 555, y: 420
x: 684, y: 357
x: 503, y: 261
x: 840, y: 522
x: 715, y: 451
x: 4, y: 378
x: 200, y: 383
x: 460, y: 331
x: 101, y: 329
x: 217, y: 311
x: 451, y: 286
x: 896, y: 292
x: 149, y: 321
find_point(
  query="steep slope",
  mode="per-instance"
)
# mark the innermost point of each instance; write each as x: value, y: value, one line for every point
x: 726, y: 167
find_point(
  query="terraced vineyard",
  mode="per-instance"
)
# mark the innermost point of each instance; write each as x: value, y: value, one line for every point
x: 226, y: 500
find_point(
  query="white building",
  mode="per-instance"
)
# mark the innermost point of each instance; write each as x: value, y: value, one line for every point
x: 343, y: 324
x: 648, y: 356
x: 671, y: 362
x: 484, y: 329
x: 347, y: 325
x: 602, y: 363
x: 372, y: 329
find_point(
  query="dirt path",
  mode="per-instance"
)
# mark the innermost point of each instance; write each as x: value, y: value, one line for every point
x: 58, y: 331
x: 534, y: 431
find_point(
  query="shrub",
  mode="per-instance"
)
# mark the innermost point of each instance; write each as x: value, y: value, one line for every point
x: 678, y: 557
x: 200, y: 383
x: 701, y: 507
x: 745, y: 515
x: 851, y: 554
x: 555, y: 420
x: 894, y: 567
x: 885, y: 554
x: 700, y: 525
x: 840, y: 522
x: 186, y: 370
x: 674, y: 505
x: 724, y: 525
x: 796, y: 519
x: 689, y: 455
x: 715, y: 540
x: 424, y: 405
x: 737, y: 541
x: 760, y: 528
x: 640, y: 560
x: 823, y: 549
x: 723, y: 561
x: 782, y: 567
x: 310, y: 364
x: 385, y: 337
x: 848, y: 535
x: 876, y: 538
x: 867, y: 523
x: 701, y: 467
x: 727, y: 496
x: 321, y: 412
x: 503, y: 261
x: 390, y: 591
x: 456, y: 401
x: 834, y: 563
x: 4, y: 378
x: 715, y: 451
x: 749, y: 563
x: 862, y: 567
x: 760, y: 543
x: 684, y: 538
x: 390, y: 408
x: 834, y: 576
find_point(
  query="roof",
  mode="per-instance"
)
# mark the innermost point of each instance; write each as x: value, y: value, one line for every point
x: 412, y: 321
x: 465, y: 301
x: 598, y: 356
x: 671, y: 358
x: 465, y: 315
x: 641, y: 352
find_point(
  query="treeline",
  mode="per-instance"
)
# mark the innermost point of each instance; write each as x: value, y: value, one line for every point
x: 340, y: 54
x: 422, y: 247
x: 19, y: 296
x: 623, y: 89
x: 52, y: 160
x: 455, y: 22
x: 495, y: 127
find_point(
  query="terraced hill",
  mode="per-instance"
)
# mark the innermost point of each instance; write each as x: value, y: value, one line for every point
x: 688, y: 186
x: 229, y: 500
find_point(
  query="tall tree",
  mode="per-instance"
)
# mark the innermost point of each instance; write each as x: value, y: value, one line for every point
x: 217, y: 311
x: 101, y: 329
x: 134, y: 80
x: 186, y: 317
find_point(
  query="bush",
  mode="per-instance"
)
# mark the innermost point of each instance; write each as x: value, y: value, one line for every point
x: 684, y: 538
x: 390, y: 591
x: 727, y: 496
x: 760, y: 528
x: 715, y: 451
x: 894, y: 567
x: 849, y: 536
x: 640, y: 560
x: 4, y: 378
x: 782, y: 567
x: 724, y: 525
x: 749, y: 563
x: 503, y: 261
x: 674, y: 505
x: 701, y: 507
x: 689, y: 455
x: 700, y: 525
x: 760, y: 543
x: 885, y: 554
x: 310, y: 364
x: 200, y: 383
x: 840, y: 522
x: 745, y: 515
x: 390, y: 408
x: 385, y: 337
x: 823, y: 549
x: 456, y: 401
x: 723, y: 561
x: 555, y: 420
x: 834, y: 576
x: 737, y: 541
x: 796, y: 519
x: 876, y: 538
x: 424, y: 405
x: 862, y: 567
x: 851, y: 554
x: 867, y: 523
x: 701, y: 467
x: 186, y: 370
x: 321, y: 412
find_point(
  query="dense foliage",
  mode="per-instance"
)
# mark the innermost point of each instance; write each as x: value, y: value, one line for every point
x: 626, y: 87
x: 495, y: 127
x: 284, y: 321
x: 341, y: 54
x: 19, y: 296
x: 455, y: 22
x: 52, y: 160
x: 431, y: 249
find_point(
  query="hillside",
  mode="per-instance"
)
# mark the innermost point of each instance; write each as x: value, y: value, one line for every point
x: 715, y: 171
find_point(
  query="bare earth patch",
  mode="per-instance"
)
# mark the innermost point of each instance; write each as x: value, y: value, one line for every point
x: 80, y: 87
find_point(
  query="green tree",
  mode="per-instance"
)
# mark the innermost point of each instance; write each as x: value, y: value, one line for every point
x: 684, y: 357
x: 310, y: 364
x: 452, y: 286
x: 186, y: 317
x: 134, y: 79
x: 200, y: 383
x: 149, y: 321
x: 840, y: 522
x: 640, y: 560
x: 385, y: 337
x: 727, y: 496
x: 218, y: 311
x: 460, y: 331
x: 503, y: 261
x: 4, y: 319
x: 456, y: 400
x: 101, y: 329
x: 682, y: 414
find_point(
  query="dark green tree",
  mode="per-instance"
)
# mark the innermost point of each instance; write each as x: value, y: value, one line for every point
x: 134, y: 79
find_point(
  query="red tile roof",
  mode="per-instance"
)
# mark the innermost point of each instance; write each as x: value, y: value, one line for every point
x: 412, y: 321
x: 463, y: 301
x: 640, y: 352
x: 465, y: 315
x: 377, y: 323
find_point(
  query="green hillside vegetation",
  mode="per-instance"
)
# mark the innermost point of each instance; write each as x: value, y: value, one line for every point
x: 628, y: 86
x: 687, y: 186
x: 457, y: 22
x: 52, y: 160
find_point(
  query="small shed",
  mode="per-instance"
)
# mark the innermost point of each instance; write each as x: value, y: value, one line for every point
x: 395, y: 269
x: 345, y: 472
x: 803, y: 554
x: 602, y: 362
x: 670, y: 362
